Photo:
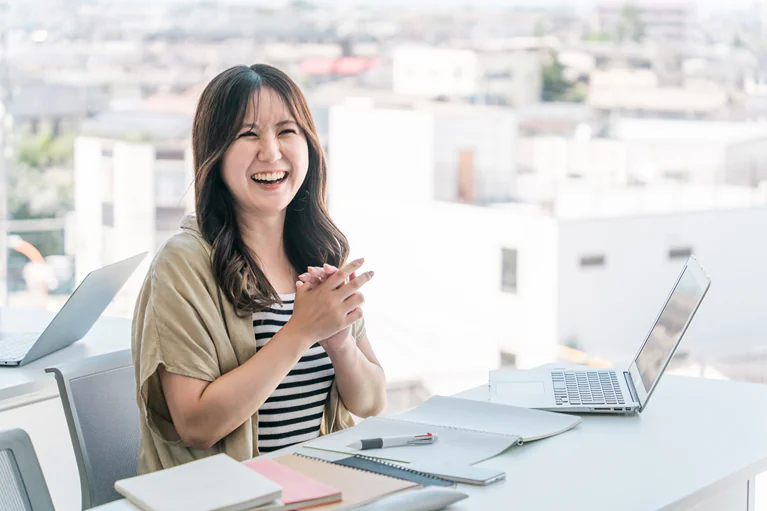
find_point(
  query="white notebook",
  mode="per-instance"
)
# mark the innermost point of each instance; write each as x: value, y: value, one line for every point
x: 468, y: 431
x: 216, y: 483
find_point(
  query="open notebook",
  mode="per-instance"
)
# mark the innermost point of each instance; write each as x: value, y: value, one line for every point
x: 469, y: 431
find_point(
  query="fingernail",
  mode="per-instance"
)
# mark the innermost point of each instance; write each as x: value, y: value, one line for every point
x: 371, y: 273
x: 361, y: 260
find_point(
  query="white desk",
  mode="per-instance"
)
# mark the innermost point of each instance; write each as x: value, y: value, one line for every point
x: 30, y: 381
x: 699, y: 445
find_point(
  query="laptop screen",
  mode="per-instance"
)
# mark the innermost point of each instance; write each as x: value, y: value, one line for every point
x: 672, y: 323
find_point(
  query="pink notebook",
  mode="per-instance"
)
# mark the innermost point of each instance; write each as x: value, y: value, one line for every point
x: 298, y: 490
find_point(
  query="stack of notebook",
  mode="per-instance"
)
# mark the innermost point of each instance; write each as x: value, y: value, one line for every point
x: 358, y: 487
x: 286, y: 483
x: 299, y: 490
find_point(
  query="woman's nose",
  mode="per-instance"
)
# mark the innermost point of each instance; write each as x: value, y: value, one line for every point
x: 269, y: 150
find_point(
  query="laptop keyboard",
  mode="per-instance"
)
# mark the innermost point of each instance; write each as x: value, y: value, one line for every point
x: 586, y: 388
x: 13, y: 346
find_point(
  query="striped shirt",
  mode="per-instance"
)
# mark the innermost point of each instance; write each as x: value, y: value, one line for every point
x: 293, y: 412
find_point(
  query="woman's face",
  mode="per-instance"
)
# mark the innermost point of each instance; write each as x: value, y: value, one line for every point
x: 267, y: 162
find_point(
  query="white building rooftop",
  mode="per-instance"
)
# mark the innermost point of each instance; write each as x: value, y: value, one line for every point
x: 575, y: 201
x: 684, y: 130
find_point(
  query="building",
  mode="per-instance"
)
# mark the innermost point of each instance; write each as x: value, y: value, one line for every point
x: 654, y: 21
x: 733, y: 153
x: 616, y: 265
x: 129, y: 195
x: 471, y: 148
x: 644, y: 151
x: 436, y: 72
x: 555, y: 118
x: 640, y: 93
x: 53, y: 108
x: 512, y: 78
x: 460, y: 288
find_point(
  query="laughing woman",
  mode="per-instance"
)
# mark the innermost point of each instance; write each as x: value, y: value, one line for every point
x: 248, y: 334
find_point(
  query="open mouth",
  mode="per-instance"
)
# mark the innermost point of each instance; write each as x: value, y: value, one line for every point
x: 269, y: 178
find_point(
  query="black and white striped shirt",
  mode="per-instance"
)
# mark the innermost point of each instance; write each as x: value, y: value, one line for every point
x: 293, y: 412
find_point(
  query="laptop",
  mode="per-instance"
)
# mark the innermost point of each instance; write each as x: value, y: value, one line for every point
x: 610, y: 391
x: 75, y: 318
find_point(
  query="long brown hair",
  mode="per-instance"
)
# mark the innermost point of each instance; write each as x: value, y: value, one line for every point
x: 310, y: 236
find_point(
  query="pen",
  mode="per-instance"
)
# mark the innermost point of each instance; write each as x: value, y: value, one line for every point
x: 393, y: 441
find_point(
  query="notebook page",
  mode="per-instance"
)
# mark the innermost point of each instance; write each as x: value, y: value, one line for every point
x: 453, y: 445
x: 489, y: 417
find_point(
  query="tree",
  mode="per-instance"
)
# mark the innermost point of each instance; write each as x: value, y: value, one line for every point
x: 558, y: 88
x: 597, y: 36
x: 554, y: 84
x: 40, y: 179
x: 630, y: 26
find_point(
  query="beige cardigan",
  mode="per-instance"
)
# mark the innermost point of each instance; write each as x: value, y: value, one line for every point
x: 184, y: 322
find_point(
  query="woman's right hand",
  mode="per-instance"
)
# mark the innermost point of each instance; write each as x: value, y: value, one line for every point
x: 322, y: 310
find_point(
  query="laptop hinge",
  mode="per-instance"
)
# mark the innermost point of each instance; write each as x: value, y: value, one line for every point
x: 632, y: 389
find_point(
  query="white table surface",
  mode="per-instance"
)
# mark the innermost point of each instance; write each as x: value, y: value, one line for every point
x: 107, y: 335
x: 696, y: 438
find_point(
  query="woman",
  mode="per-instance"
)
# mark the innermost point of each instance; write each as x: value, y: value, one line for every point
x: 248, y: 334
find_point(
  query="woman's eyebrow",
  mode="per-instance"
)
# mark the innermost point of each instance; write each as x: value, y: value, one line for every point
x: 281, y: 123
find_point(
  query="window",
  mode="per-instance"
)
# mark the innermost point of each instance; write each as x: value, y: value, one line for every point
x: 679, y: 253
x: 169, y: 154
x: 107, y: 214
x: 509, y: 270
x: 592, y: 261
x: 168, y: 218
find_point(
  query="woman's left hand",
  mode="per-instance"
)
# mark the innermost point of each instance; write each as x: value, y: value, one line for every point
x: 314, y: 277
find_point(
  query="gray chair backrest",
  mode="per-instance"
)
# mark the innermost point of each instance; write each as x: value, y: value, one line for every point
x: 99, y: 398
x: 22, y: 485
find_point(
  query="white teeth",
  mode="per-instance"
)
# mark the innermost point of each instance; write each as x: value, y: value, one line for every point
x: 269, y: 176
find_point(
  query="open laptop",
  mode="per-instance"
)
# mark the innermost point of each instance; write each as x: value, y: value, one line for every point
x: 75, y: 318
x: 610, y: 391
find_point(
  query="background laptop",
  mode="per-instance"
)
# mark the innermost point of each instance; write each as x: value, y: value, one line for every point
x: 75, y: 318
x: 609, y: 391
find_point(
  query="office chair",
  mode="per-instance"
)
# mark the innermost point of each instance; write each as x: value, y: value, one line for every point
x: 99, y: 398
x: 22, y: 485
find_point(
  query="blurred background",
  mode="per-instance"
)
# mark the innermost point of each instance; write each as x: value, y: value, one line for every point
x: 526, y: 178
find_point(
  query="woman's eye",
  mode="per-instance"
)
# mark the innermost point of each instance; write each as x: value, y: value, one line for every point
x: 292, y: 131
x: 248, y: 134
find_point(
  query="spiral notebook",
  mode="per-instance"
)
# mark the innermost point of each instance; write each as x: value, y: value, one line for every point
x: 389, y: 469
x: 469, y: 431
x: 358, y: 487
